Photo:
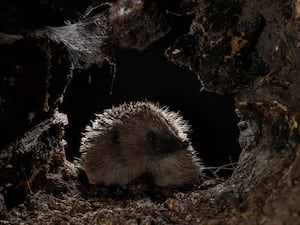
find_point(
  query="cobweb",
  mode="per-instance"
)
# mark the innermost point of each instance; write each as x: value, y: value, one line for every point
x: 83, y: 40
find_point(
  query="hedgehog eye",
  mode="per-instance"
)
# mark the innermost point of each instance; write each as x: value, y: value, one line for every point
x: 150, y: 137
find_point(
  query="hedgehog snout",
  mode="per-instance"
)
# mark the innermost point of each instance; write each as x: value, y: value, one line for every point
x: 174, y: 146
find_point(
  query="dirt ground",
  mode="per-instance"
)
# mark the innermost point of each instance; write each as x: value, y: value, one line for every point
x: 249, y: 49
x: 65, y: 198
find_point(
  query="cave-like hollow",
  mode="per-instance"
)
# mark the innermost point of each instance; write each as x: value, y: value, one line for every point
x: 148, y: 75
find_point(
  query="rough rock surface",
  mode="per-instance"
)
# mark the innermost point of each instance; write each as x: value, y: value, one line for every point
x: 242, y: 47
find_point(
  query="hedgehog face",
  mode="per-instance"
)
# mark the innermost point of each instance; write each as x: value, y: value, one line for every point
x: 163, y: 144
x: 148, y: 136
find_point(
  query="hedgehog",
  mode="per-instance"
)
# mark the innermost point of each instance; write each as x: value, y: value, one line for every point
x: 136, y: 138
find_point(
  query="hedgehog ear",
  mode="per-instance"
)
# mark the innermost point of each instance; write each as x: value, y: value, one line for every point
x: 115, y: 136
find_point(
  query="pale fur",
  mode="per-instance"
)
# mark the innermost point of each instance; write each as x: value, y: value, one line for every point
x: 118, y: 162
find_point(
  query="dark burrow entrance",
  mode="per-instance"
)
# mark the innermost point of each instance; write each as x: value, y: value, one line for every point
x: 148, y: 75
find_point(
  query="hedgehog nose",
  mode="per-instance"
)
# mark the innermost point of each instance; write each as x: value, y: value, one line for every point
x: 184, y: 144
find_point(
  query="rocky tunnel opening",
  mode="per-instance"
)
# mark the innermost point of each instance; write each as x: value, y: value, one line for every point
x: 148, y: 75
x: 249, y: 48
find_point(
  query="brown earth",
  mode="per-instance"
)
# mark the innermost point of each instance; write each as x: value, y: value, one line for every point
x: 247, y: 48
